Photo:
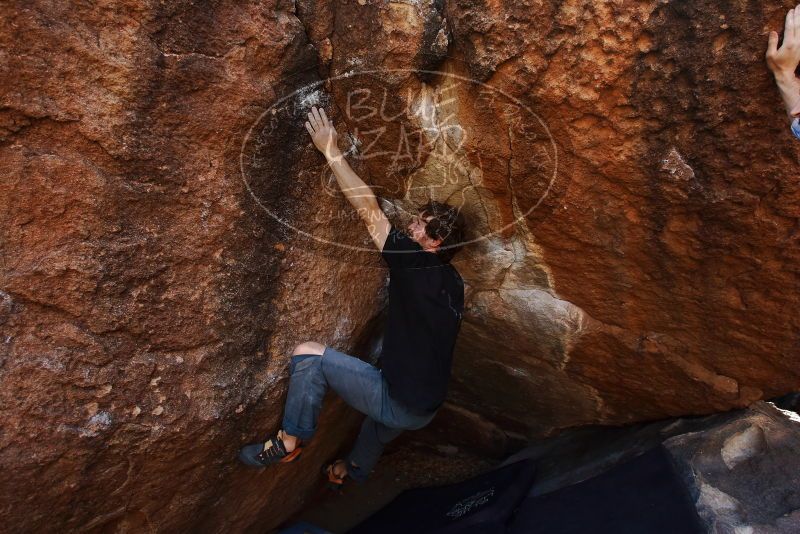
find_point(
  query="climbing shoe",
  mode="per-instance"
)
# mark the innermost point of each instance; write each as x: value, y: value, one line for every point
x: 334, y: 482
x: 272, y: 451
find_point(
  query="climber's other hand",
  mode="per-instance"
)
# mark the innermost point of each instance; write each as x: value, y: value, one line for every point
x: 783, y: 61
x: 322, y: 132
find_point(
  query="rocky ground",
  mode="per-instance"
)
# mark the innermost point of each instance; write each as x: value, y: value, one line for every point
x: 739, y: 467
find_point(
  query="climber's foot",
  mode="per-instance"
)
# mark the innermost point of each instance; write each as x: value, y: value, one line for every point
x: 339, y: 469
x: 274, y: 450
x: 336, y: 473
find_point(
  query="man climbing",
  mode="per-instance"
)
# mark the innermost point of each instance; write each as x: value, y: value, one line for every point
x: 783, y: 64
x: 426, y: 300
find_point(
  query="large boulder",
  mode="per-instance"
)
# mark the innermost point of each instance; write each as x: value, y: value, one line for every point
x: 148, y: 303
x: 662, y: 281
x: 630, y: 254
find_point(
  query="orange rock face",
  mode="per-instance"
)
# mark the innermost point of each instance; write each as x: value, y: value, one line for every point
x: 149, y: 304
x: 169, y: 232
x: 670, y: 262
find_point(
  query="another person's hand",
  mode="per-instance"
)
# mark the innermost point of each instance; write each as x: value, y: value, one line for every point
x: 322, y: 132
x: 783, y: 62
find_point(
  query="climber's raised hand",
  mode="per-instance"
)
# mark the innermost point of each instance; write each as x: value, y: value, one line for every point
x: 322, y: 132
x: 784, y: 60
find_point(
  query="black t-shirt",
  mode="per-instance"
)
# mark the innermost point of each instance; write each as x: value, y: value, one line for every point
x: 426, y: 300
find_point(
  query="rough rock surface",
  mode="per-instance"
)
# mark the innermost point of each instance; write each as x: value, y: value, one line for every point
x: 745, y: 474
x: 149, y: 306
x: 169, y: 233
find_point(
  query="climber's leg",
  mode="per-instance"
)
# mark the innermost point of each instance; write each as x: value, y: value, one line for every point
x: 364, y: 387
x: 360, y: 385
x: 357, y: 382
x: 307, y: 388
x: 315, y: 367
x: 368, y: 448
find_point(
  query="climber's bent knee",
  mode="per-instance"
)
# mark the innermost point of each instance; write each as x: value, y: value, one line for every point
x: 309, y: 347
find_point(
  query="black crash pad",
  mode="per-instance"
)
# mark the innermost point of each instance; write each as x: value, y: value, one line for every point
x: 482, y: 504
x: 641, y: 495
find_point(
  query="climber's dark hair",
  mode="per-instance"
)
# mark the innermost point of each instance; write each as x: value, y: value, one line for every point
x: 447, y: 224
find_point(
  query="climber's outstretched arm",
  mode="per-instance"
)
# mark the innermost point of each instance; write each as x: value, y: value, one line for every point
x: 783, y: 62
x: 355, y: 190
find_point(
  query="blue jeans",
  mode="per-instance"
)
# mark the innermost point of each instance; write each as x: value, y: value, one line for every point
x: 360, y: 385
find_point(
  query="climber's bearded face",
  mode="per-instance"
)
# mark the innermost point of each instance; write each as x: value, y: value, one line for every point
x: 416, y: 230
